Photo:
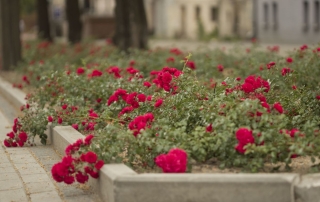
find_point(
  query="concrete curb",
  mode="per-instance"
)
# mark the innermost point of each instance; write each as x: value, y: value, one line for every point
x: 15, y: 96
x: 119, y: 183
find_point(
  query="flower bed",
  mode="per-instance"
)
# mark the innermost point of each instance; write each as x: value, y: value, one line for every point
x: 243, y: 109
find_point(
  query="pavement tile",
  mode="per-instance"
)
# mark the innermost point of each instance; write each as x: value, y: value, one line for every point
x: 17, y: 150
x: 4, y: 165
x: 81, y: 199
x: 37, y: 187
x: 29, y: 171
x: 10, y: 184
x: 51, y: 196
x: 8, y: 169
x: 23, y: 159
x: 9, y: 176
x: 17, y: 195
x: 4, y: 158
x: 21, y: 166
x: 35, y: 178
x: 68, y: 190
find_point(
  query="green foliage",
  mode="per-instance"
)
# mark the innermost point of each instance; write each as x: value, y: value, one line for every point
x: 200, y: 100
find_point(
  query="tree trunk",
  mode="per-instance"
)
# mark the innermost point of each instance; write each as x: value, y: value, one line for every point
x: 10, y: 45
x: 74, y: 22
x: 43, y: 20
x: 131, y: 25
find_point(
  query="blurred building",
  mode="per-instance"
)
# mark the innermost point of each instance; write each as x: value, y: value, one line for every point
x: 189, y: 18
x: 288, y: 21
x: 97, y: 18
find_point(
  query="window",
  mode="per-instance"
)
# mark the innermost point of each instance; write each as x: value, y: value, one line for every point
x: 214, y: 14
x: 305, y: 16
x: 316, y: 16
x: 275, y: 15
x: 266, y: 15
x: 198, y: 11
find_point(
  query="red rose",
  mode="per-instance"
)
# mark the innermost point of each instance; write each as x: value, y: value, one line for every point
x: 91, y: 157
x: 23, y: 136
x: 142, y: 97
x: 220, y: 68
x: 87, y: 140
x: 158, y: 103
x: 209, y: 128
x: 96, y: 73
x: 174, y: 162
x: 278, y: 107
x: 99, y: 165
x: 285, y: 71
x: 81, y: 177
x: 80, y: 70
x: 289, y: 60
x: 6, y: 143
x: 59, y: 120
x: 147, y: 84
x: 75, y: 126
x: 244, y: 136
x: 191, y: 65
x: 93, y: 115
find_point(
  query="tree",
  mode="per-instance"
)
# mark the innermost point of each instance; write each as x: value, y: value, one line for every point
x: 74, y: 23
x: 43, y: 20
x: 131, y: 24
x: 10, y: 45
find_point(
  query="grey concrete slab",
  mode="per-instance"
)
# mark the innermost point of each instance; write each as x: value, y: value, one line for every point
x: 308, y: 189
x: 29, y: 171
x: 63, y: 136
x: 205, y: 187
x: 9, y: 176
x: 4, y: 165
x: 14, y: 95
x: 9, y: 169
x: 10, y: 184
x: 51, y: 196
x: 81, y: 199
x: 35, y: 178
x: 26, y: 158
x: 17, y: 195
x: 37, y: 187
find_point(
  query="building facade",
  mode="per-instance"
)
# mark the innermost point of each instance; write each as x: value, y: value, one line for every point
x: 181, y: 18
x: 288, y: 21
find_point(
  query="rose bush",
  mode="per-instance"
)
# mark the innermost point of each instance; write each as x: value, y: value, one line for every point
x: 161, y: 108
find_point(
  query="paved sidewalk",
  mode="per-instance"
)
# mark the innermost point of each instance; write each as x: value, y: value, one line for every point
x: 25, y: 172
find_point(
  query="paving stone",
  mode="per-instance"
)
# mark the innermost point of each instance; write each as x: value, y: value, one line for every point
x: 10, y: 184
x: 9, y: 176
x: 27, y: 158
x: 9, y: 169
x: 4, y: 158
x: 21, y: 166
x: 37, y: 187
x: 29, y: 171
x: 81, y: 199
x: 35, y: 178
x: 4, y: 165
x: 73, y: 191
x: 17, y: 150
x: 17, y: 195
x: 51, y: 196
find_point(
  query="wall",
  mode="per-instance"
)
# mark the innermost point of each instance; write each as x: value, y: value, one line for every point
x: 169, y: 22
x: 290, y: 23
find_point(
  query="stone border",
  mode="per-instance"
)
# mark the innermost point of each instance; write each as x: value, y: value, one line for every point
x: 119, y: 183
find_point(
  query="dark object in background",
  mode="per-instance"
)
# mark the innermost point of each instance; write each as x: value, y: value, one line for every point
x: 131, y: 25
x: 10, y: 45
x: 74, y: 23
x: 43, y: 20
